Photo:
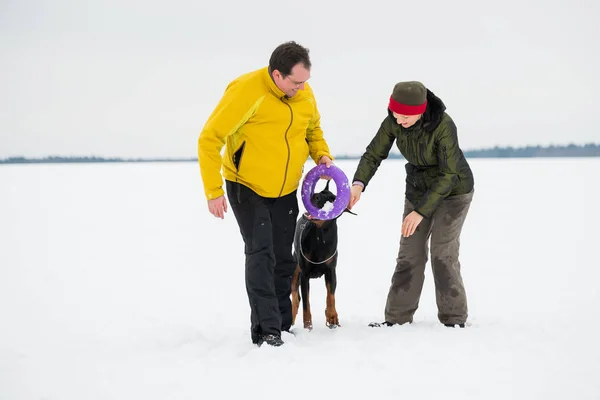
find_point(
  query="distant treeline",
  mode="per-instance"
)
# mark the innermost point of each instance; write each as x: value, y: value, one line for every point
x: 571, y: 150
x: 586, y: 150
x: 70, y: 159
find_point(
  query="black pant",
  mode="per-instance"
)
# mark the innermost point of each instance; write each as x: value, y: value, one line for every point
x: 267, y: 226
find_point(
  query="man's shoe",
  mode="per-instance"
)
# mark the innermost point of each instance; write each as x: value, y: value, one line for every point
x: 454, y: 325
x: 271, y: 340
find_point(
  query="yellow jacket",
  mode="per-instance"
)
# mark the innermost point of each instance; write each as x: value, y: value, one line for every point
x: 267, y: 137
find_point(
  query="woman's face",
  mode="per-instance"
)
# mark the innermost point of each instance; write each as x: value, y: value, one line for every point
x: 406, y: 120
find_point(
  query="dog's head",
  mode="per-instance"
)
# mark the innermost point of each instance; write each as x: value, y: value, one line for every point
x: 323, y: 197
x: 320, y: 199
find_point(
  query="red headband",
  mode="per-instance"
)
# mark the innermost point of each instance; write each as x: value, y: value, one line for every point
x: 405, y: 109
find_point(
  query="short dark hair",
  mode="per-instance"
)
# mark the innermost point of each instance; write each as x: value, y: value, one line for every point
x: 287, y: 55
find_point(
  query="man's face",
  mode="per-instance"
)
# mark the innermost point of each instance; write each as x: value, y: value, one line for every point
x: 294, y: 81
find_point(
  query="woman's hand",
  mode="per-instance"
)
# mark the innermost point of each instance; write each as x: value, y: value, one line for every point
x: 410, y: 223
x: 355, y: 192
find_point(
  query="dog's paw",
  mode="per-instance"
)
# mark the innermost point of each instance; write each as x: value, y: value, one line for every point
x: 333, y: 326
x: 331, y: 318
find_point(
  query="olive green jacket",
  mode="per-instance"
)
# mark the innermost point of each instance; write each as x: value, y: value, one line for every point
x: 436, y: 166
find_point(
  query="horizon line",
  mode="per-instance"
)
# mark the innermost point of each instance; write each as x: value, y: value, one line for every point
x: 393, y: 153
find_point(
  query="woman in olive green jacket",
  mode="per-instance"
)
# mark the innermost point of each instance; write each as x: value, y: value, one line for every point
x: 439, y: 190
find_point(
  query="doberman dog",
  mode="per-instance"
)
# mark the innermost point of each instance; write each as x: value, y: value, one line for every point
x: 315, y: 250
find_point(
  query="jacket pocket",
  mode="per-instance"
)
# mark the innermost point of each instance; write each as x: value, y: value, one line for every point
x: 415, y: 176
x: 237, y: 156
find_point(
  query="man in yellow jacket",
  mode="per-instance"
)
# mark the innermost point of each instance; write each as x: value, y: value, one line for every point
x: 269, y: 123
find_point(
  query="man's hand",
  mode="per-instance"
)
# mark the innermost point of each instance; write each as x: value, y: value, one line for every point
x: 218, y: 207
x: 410, y: 223
x: 327, y: 161
x: 355, y: 192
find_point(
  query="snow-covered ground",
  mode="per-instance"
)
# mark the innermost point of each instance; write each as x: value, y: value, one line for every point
x: 116, y: 283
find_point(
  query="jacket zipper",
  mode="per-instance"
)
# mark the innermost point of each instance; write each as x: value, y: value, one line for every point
x: 287, y: 163
x: 445, y: 157
x: 422, y: 145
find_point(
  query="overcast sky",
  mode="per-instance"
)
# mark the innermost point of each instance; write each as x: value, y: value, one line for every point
x: 139, y: 78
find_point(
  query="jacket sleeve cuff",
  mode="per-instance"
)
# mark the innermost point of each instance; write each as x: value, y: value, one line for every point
x: 359, y: 183
x: 213, y: 194
x: 420, y: 213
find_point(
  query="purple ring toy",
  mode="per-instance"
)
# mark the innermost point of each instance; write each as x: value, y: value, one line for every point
x: 342, y: 196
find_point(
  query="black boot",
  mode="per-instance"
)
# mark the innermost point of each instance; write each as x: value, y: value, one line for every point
x: 271, y: 340
x: 454, y: 325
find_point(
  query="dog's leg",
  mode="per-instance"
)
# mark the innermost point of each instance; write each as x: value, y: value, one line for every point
x: 295, y: 293
x: 305, y: 289
x: 331, y: 315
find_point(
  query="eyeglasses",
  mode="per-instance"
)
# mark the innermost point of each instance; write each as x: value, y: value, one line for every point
x: 295, y: 82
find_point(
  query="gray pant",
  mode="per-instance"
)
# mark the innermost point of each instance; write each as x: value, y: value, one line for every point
x: 444, y: 228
